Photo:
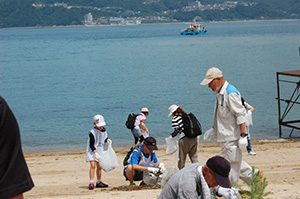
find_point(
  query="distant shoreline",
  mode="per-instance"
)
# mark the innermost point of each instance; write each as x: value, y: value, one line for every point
x: 187, y: 22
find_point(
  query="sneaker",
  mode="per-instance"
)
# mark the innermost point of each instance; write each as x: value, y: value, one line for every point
x: 251, y: 153
x: 91, y: 186
x: 101, y: 185
x: 142, y: 183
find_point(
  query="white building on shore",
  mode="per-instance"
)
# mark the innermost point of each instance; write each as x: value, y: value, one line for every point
x: 88, y: 19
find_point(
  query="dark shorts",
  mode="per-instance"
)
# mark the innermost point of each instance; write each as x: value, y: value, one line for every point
x: 138, y: 175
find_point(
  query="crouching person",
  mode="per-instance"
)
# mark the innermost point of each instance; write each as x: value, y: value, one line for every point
x: 197, y: 181
x: 142, y: 158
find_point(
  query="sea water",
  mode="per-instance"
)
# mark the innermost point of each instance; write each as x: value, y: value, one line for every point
x: 56, y: 78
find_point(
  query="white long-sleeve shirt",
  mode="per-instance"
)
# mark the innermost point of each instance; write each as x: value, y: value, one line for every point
x: 229, y: 114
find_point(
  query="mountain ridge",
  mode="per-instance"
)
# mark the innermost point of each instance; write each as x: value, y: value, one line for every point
x: 30, y: 13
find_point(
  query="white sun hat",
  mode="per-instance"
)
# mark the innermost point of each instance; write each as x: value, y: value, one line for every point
x: 211, y: 74
x: 172, y: 109
x: 144, y: 110
x: 98, y: 120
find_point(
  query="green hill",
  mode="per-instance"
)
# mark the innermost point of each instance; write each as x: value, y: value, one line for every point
x: 18, y: 13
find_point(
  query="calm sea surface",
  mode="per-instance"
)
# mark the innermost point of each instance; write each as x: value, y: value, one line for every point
x: 55, y: 79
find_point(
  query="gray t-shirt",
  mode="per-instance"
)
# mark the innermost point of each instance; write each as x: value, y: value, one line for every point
x: 183, y: 184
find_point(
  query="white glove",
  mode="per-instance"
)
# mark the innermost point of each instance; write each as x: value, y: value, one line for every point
x: 109, y: 141
x: 243, y: 142
x: 162, y: 168
x: 227, y: 193
x: 97, y: 156
x: 153, y: 170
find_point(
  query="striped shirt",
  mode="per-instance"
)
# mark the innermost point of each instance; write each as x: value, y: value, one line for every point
x: 177, y: 124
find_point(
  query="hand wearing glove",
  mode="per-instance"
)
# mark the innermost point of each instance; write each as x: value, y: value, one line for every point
x: 109, y: 141
x: 243, y: 142
x: 227, y: 193
x: 162, y: 168
x: 97, y: 156
x: 153, y: 170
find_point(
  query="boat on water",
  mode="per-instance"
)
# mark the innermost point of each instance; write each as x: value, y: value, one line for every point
x: 194, y: 29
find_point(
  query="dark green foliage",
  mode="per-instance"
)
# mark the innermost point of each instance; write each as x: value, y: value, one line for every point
x: 14, y: 13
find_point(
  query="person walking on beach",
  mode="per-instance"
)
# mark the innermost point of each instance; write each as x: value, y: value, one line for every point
x: 15, y: 178
x: 142, y: 158
x: 140, y: 130
x: 186, y: 145
x: 96, y: 140
x: 249, y: 109
x: 229, y: 125
x: 197, y: 181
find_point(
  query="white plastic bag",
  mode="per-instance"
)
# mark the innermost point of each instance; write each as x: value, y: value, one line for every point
x: 172, y: 144
x: 249, y: 118
x: 210, y: 135
x: 151, y: 179
x: 109, y: 159
x: 243, y: 142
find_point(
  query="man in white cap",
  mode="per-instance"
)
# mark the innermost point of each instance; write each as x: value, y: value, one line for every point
x: 186, y: 145
x: 140, y: 130
x: 229, y: 125
x: 97, y: 138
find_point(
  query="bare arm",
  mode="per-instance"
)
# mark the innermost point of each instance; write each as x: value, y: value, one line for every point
x: 249, y: 107
x: 139, y: 167
x: 243, y: 129
x: 143, y: 127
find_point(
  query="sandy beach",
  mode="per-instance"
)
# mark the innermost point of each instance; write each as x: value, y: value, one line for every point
x: 60, y: 175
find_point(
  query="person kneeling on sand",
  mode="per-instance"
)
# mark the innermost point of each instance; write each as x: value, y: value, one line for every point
x: 143, y: 158
x: 97, y: 138
x: 197, y: 181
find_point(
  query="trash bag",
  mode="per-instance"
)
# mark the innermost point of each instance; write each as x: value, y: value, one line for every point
x: 249, y: 118
x: 109, y: 159
x: 172, y: 144
x: 210, y: 135
x: 151, y: 179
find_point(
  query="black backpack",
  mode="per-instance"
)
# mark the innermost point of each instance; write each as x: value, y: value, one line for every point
x: 191, y: 126
x: 126, y: 158
x: 131, y: 120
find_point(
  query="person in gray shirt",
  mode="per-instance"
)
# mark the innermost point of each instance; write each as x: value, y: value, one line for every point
x: 199, y: 181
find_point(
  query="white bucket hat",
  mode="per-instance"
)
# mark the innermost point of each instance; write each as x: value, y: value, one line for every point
x: 172, y: 109
x: 144, y: 110
x: 211, y: 74
x: 98, y: 120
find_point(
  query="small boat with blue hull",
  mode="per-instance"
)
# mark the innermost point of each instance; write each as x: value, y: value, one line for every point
x: 194, y: 29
